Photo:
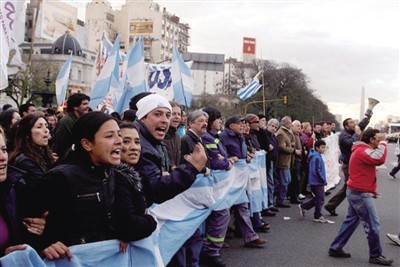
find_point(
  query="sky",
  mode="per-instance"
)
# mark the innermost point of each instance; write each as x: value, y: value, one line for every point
x: 340, y: 45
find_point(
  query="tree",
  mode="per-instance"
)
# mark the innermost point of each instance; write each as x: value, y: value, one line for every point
x: 25, y: 82
x: 281, y: 80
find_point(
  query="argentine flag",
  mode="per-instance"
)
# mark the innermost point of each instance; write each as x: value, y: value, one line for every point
x: 182, y: 81
x: 62, y: 81
x: 134, y: 76
x: 109, y: 77
x: 251, y: 89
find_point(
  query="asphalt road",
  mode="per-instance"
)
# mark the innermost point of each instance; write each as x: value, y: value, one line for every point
x: 301, y: 242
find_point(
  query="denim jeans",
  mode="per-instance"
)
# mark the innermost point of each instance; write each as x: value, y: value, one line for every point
x: 361, y: 209
x: 317, y: 201
x: 281, y: 185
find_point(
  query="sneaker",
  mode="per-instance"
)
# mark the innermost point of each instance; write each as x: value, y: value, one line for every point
x: 321, y: 220
x: 338, y: 253
x: 394, y: 238
x: 381, y: 260
x: 391, y: 175
x: 302, y: 211
x: 301, y: 196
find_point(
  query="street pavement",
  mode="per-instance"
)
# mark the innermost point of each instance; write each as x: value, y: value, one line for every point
x: 297, y: 241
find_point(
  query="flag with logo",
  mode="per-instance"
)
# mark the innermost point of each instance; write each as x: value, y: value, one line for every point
x: 10, y: 57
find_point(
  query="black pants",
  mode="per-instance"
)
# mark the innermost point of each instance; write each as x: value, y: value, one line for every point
x: 341, y: 194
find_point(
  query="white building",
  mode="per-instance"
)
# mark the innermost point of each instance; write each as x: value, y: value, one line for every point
x: 159, y: 28
x: 207, y: 71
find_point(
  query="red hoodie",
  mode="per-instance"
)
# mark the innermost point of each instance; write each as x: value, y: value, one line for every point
x: 362, y: 166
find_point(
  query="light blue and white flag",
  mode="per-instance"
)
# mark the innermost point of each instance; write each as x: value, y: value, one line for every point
x: 182, y: 80
x: 220, y: 190
x: 257, y: 181
x: 109, y: 77
x: 134, y: 76
x: 251, y: 89
x: 62, y: 81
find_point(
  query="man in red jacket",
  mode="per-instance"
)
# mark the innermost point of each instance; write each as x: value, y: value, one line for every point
x: 366, y: 154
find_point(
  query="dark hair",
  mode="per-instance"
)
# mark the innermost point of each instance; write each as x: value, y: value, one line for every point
x: 233, y: 120
x: 368, y: 134
x: 6, y: 106
x: 76, y: 100
x: 319, y: 143
x: 6, y: 118
x: 346, y: 122
x: 136, y: 98
x: 129, y: 125
x: 129, y: 115
x: 213, y: 114
x: 116, y: 115
x: 175, y: 104
x: 24, y: 108
x: 24, y: 144
x: 261, y: 116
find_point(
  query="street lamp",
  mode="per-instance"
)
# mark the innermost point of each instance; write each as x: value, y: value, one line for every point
x: 45, y: 93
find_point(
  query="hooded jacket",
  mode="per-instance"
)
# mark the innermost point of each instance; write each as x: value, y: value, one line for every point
x: 362, y: 166
x: 317, y: 174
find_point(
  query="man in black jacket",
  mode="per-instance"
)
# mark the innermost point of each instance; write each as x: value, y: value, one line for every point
x: 350, y: 135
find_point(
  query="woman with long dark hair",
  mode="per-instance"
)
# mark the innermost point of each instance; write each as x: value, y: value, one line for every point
x: 79, y: 191
x: 12, y: 226
x: 32, y: 152
x: 8, y: 118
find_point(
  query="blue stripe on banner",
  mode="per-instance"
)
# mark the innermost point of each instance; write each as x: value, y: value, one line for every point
x: 173, y: 234
x: 249, y: 91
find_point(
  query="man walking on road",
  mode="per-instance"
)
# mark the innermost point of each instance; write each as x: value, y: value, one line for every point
x: 368, y: 153
x: 350, y: 135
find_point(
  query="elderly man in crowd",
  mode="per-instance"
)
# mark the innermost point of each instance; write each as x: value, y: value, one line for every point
x: 286, y: 144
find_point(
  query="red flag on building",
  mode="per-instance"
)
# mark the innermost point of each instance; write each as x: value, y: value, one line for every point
x: 249, y: 45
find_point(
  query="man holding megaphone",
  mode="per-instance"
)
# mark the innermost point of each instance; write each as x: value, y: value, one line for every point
x: 350, y: 134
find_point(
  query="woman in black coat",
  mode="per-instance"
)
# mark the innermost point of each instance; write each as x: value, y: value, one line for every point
x: 130, y: 205
x: 79, y: 191
x: 12, y: 226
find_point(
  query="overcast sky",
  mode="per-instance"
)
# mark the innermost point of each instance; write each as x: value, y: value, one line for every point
x: 340, y: 45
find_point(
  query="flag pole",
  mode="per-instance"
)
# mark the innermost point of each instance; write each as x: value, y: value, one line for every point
x: 263, y: 89
x: 180, y: 73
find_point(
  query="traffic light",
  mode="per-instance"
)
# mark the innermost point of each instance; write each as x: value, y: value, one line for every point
x: 284, y: 99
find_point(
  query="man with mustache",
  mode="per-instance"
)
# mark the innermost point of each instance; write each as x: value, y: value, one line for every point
x: 198, y: 121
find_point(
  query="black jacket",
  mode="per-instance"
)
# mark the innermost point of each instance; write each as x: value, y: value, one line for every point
x: 346, y: 140
x: 159, y: 187
x: 79, y: 197
x: 131, y: 222
x: 9, y: 206
x: 172, y: 141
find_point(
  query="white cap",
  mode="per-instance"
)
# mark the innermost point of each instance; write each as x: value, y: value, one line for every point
x: 149, y: 103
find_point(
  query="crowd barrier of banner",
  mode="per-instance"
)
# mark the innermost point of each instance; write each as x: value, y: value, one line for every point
x: 331, y: 160
x: 177, y: 218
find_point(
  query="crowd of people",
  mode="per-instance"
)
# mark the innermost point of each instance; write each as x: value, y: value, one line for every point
x: 87, y: 176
